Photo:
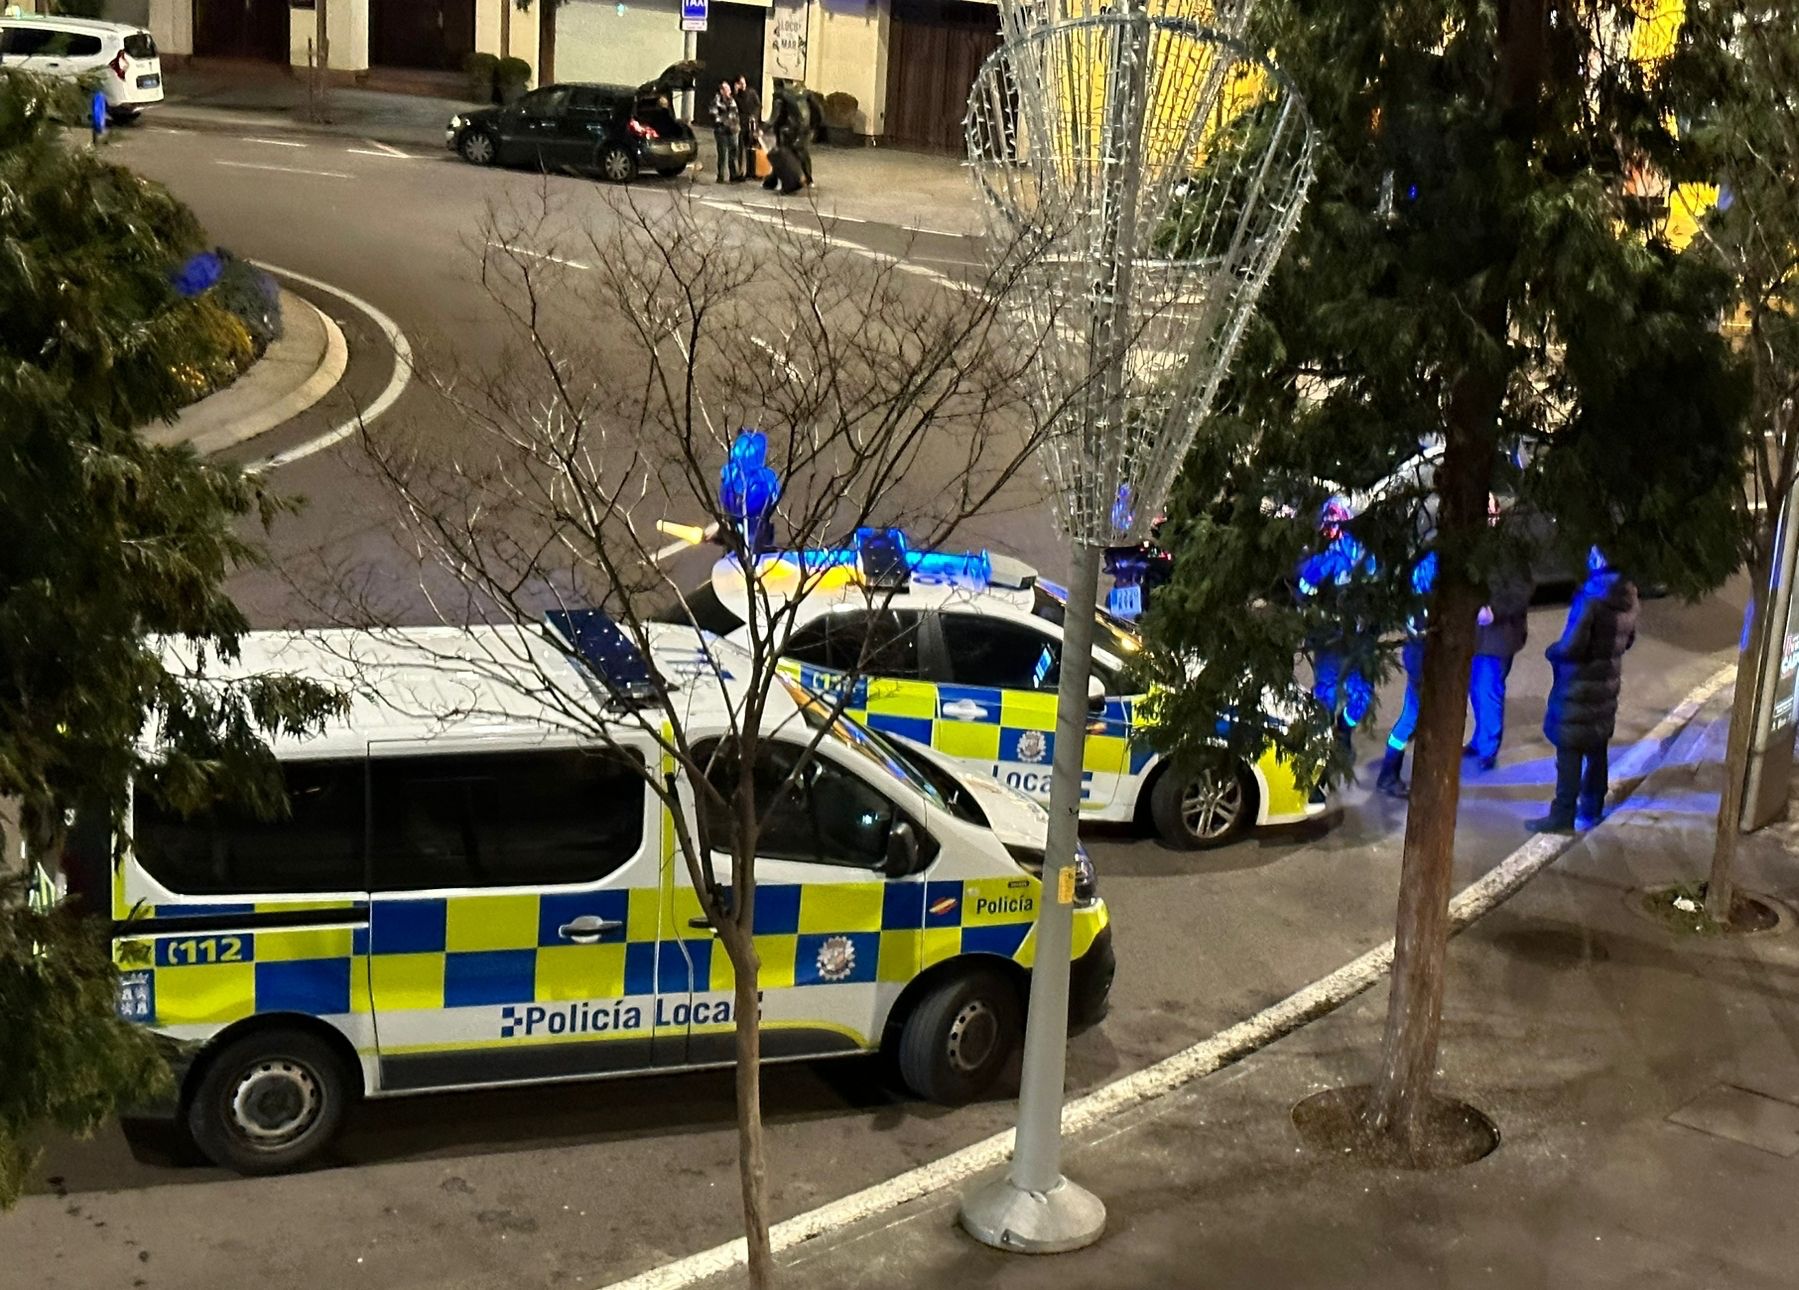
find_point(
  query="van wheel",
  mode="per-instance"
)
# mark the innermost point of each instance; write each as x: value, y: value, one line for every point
x: 1199, y: 810
x: 268, y: 1102
x: 959, y: 1038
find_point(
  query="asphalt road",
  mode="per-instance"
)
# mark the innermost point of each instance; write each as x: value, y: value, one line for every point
x: 582, y: 1185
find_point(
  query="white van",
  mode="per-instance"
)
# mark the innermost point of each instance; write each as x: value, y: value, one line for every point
x: 121, y: 58
x: 466, y: 893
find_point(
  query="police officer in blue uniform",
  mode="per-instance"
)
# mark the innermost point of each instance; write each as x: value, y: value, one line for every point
x: 1338, y: 681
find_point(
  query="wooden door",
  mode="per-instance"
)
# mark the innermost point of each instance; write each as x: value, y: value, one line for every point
x: 432, y: 34
x: 731, y: 46
x: 934, y: 51
x: 241, y: 29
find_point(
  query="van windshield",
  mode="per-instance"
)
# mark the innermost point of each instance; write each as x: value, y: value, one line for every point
x: 864, y: 743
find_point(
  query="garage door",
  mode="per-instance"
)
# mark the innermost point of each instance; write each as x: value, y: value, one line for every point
x: 241, y: 29
x: 934, y: 51
x: 432, y: 34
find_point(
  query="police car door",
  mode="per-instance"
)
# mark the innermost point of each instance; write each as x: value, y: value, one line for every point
x: 831, y: 962
x: 996, y: 706
x: 516, y: 905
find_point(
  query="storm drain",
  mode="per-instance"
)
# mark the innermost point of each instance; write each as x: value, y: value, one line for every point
x: 1745, y: 1116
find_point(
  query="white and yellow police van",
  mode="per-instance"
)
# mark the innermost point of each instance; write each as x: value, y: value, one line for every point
x: 960, y: 652
x: 464, y: 894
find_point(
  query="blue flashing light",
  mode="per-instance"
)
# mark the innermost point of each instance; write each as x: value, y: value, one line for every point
x: 607, y: 653
x: 1124, y: 510
x: 748, y: 487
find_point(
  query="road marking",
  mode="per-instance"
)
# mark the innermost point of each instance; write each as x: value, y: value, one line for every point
x: 779, y: 219
x: 279, y: 143
x: 169, y: 129
x: 396, y: 384
x: 1171, y: 1073
x: 793, y: 373
x: 391, y: 156
x: 287, y: 170
x: 385, y: 148
x: 539, y: 255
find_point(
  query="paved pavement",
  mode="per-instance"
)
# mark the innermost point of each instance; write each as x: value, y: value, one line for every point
x: 1644, y: 1086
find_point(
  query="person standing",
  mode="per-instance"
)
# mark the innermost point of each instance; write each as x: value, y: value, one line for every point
x: 792, y: 124
x: 1583, y: 698
x: 725, y: 131
x: 1329, y: 576
x: 749, y: 119
x: 1424, y: 580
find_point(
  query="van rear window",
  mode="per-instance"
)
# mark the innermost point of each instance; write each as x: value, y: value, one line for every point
x: 139, y: 45
x: 315, y: 845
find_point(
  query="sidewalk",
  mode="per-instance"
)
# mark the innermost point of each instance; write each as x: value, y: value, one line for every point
x: 1645, y: 1087
x: 229, y: 97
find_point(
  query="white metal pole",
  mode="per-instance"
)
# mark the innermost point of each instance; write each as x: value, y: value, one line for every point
x: 690, y: 48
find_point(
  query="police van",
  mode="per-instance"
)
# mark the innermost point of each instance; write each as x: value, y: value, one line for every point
x: 961, y: 653
x: 465, y: 893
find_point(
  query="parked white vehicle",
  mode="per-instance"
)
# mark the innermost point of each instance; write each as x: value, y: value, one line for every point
x: 121, y: 59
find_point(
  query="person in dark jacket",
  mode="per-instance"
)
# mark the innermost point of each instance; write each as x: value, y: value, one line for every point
x: 1504, y: 627
x: 726, y: 131
x: 791, y: 122
x: 1583, y: 698
x: 749, y: 119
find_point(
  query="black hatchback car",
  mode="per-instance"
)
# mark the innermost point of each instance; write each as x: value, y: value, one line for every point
x: 613, y: 129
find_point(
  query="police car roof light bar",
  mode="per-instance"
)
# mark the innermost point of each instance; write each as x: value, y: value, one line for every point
x: 884, y: 558
x: 608, y: 655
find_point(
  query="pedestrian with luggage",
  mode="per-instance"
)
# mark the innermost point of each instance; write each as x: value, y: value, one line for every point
x: 726, y: 131
x: 1583, y: 698
x: 749, y: 119
x: 791, y: 122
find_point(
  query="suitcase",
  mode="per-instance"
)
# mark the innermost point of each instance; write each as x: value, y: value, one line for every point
x: 758, y: 163
x: 784, y: 169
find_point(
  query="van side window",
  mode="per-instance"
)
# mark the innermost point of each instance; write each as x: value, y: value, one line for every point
x: 825, y: 816
x: 516, y: 819
x: 314, y: 846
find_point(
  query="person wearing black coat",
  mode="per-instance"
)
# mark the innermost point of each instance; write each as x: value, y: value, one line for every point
x: 1583, y: 698
x: 749, y: 119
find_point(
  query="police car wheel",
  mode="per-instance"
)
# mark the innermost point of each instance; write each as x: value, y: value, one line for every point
x: 1198, y: 811
x: 268, y: 1102
x: 960, y: 1038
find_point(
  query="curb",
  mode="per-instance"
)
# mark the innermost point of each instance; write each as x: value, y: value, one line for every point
x: 1190, y: 1064
x: 246, y: 408
x: 205, y: 120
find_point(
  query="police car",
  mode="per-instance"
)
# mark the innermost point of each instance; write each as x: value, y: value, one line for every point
x: 960, y: 652
x: 466, y: 893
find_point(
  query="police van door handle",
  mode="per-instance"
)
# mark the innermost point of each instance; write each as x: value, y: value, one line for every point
x: 964, y: 710
x: 588, y: 928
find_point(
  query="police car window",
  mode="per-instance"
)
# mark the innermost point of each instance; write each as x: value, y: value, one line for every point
x: 995, y: 652
x: 1113, y: 635
x: 873, y: 642
x: 822, y: 815
x: 315, y: 844
x: 546, y: 102
x: 525, y: 819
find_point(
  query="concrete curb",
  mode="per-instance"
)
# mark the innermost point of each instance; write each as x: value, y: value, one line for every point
x: 1183, y: 1068
x: 296, y: 372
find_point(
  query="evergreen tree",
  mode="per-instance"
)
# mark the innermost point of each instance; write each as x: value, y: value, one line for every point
x: 1732, y: 83
x: 110, y: 543
x: 1469, y: 268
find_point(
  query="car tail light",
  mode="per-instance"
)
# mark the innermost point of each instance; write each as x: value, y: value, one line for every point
x: 118, y: 64
x: 641, y: 130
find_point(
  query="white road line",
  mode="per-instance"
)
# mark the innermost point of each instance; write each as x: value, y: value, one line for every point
x: 168, y: 129
x: 539, y: 255
x: 391, y: 156
x: 387, y: 149
x: 287, y: 170
x: 279, y: 143
x: 1172, y: 1073
x: 396, y: 384
x: 793, y: 373
x: 779, y: 220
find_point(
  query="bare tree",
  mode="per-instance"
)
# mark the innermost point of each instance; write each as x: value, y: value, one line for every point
x: 639, y: 344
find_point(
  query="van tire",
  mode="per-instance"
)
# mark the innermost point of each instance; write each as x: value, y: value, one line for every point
x: 268, y: 1101
x: 960, y: 1037
x: 1188, y: 807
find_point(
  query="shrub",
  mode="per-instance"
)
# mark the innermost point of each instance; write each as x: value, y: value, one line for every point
x: 251, y: 296
x: 482, y: 71
x: 512, y: 77
x: 840, y: 110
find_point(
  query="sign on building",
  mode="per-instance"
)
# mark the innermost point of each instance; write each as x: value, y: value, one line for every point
x: 693, y: 15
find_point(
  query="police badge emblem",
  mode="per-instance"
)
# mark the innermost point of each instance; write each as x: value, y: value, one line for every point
x: 1032, y: 746
x: 836, y: 958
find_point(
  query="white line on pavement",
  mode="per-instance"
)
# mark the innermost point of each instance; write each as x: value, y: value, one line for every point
x: 169, y: 129
x: 778, y: 219
x: 396, y: 384
x: 279, y: 143
x: 385, y: 148
x: 539, y: 255
x: 287, y: 170
x: 1171, y: 1073
x: 391, y: 156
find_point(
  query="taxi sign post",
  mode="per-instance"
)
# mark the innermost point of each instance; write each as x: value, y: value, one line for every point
x: 1034, y: 1208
